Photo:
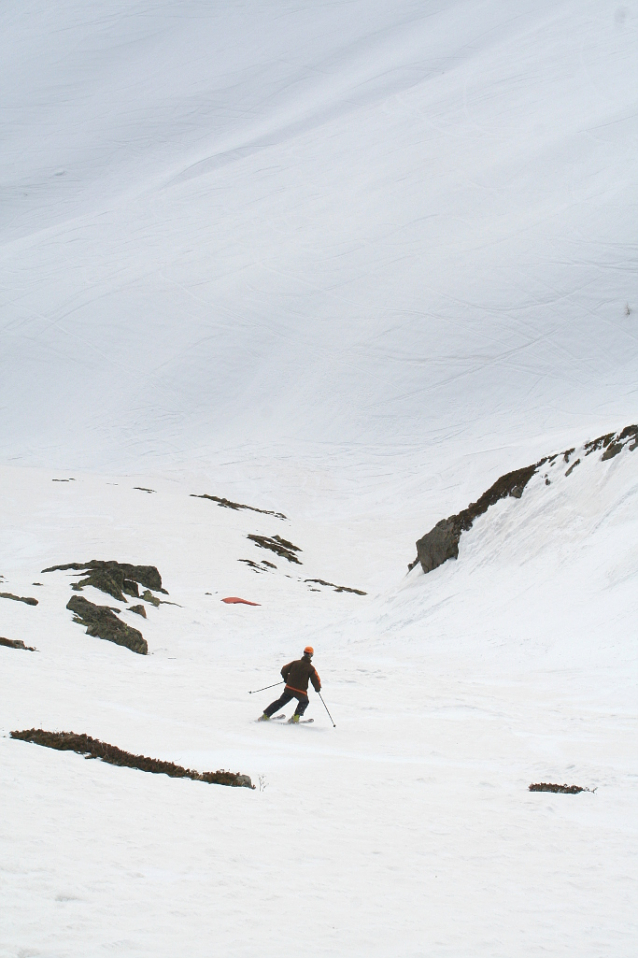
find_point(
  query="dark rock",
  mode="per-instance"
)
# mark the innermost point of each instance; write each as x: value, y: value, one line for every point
x: 337, y: 588
x: 613, y: 443
x: 138, y: 610
x: 149, y: 597
x: 282, y: 547
x: 442, y: 542
x: 602, y: 442
x: 18, y: 598
x: 94, y: 748
x: 227, y: 504
x: 612, y: 450
x: 16, y: 644
x: 113, y: 577
x: 102, y: 622
x: 439, y: 544
x: 255, y: 566
x: 262, y: 566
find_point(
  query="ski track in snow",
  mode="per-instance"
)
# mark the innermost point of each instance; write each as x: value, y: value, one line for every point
x: 350, y: 262
x: 412, y: 818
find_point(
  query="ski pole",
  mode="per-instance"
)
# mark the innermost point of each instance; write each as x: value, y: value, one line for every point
x: 266, y: 687
x: 327, y: 709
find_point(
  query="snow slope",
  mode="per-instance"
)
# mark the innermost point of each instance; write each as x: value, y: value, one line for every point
x: 290, y: 228
x: 350, y: 262
x: 408, y: 829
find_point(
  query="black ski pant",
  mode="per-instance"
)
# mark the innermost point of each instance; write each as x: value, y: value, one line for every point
x: 287, y: 696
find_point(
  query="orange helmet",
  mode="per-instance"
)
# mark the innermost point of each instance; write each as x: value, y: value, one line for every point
x: 309, y: 650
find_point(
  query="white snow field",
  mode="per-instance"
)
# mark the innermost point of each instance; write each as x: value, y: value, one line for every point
x: 350, y: 262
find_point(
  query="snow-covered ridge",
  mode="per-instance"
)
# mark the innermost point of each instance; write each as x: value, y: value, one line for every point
x: 442, y: 542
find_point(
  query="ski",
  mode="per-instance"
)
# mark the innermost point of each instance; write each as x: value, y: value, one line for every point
x: 274, y: 718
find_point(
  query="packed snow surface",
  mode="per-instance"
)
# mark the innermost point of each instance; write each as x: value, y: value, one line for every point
x: 348, y: 262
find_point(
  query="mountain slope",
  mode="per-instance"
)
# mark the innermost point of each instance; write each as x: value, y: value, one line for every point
x: 296, y: 230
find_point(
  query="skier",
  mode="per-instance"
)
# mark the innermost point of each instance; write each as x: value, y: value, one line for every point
x: 296, y: 675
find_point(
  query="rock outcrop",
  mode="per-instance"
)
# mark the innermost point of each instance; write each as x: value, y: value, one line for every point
x: 227, y: 504
x: 442, y: 541
x: 102, y: 622
x: 114, y: 578
x: 281, y: 547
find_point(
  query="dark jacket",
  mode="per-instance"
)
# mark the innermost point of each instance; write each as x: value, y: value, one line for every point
x: 296, y: 675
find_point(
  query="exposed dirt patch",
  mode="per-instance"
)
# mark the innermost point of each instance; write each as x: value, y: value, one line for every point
x: 102, y: 623
x: 281, y: 547
x: 16, y: 644
x: 337, y: 588
x: 18, y: 598
x: 144, y: 489
x: 138, y: 610
x: 565, y: 789
x: 94, y: 748
x: 572, y: 467
x: 227, y: 504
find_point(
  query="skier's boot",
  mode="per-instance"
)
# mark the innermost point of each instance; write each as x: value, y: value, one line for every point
x: 294, y: 719
x: 264, y: 718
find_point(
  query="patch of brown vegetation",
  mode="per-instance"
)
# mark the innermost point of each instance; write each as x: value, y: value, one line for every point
x: 94, y: 748
x: 564, y: 789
